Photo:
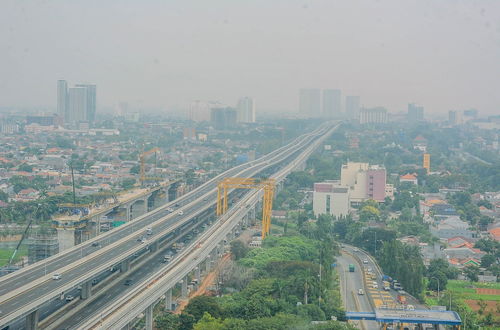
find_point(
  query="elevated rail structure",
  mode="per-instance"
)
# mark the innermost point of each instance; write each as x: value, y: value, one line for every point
x: 24, y: 292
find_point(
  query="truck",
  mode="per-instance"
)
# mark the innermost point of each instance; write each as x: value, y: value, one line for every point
x: 386, y: 285
x: 351, y: 268
x: 396, y: 285
x: 386, y: 278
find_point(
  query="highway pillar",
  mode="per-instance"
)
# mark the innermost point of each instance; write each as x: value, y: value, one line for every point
x: 184, y: 288
x: 66, y: 238
x: 149, y: 317
x: 208, y: 265
x: 197, y: 273
x: 124, y: 266
x: 86, y: 290
x: 31, y: 322
x: 153, y: 247
x: 168, y: 300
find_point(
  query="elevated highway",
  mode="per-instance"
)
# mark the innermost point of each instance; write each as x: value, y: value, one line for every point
x: 23, y: 292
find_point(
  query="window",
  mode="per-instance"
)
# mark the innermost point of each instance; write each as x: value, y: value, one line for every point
x: 328, y: 204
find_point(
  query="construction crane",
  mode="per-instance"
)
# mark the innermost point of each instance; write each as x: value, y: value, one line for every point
x: 143, y: 165
x: 248, y: 183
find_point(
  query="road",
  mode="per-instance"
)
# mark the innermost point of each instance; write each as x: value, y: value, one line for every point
x: 350, y: 283
x: 33, y: 285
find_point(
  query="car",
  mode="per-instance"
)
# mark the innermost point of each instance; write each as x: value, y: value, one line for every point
x: 144, y: 240
x: 410, y: 307
x: 365, y: 261
x: 180, y: 212
x: 56, y: 276
x: 96, y: 244
x: 170, y: 209
x: 176, y: 204
x: 69, y: 298
x: 375, y: 286
x: 149, y: 231
x: 356, y: 250
x: 128, y: 282
x: 139, y: 239
x: 95, y: 281
x: 361, y: 292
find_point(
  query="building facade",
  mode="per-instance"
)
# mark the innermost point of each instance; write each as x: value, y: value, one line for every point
x: 310, y: 103
x: 373, y: 116
x: 352, y: 104
x: 246, y: 110
x: 223, y: 118
x: 332, y: 105
x: 415, y: 113
x: 330, y: 198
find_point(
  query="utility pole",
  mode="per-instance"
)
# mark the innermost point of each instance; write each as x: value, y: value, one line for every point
x: 73, y: 182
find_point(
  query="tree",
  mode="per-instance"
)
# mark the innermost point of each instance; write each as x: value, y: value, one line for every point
x: 25, y: 168
x: 135, y: 169
x: 128, y: 183
x: 168, y: 321
x: 202, y: 304
x: 369, y: 213
x: 487, y: 260
x: 238, y: 249
x: 4, y: 197
x: 208, y: 322
x: 472, y: 273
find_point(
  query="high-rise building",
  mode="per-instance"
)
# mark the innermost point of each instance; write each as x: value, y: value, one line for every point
x: 246, y: 110
x: 352, y: 104
x: 310, y: 103
x: 364, y: 181
x: 62, y: 98
x: 200, y: 110
x: 223, y: 118
x: 373, y: 116
x: 91, y: 102
x: 332, y: 104
x: 415, y: 113
x: 77, y: 105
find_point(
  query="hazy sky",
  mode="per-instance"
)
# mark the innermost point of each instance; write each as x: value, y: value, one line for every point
x: 443, y: 54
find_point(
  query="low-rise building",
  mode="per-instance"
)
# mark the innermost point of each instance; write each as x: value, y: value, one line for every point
x: 331, y: 198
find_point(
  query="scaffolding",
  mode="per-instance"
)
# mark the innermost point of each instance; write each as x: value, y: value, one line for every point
x: 248, y: 183
x: 41, y: 246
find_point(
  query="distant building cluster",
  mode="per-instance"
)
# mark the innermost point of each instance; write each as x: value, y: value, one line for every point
x: 358, y: 182
x: 76, y: 104
x: 327, y: 103
x: 223, y: 117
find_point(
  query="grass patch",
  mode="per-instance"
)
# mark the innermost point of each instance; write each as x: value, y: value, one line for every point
x: 5, y: 255
x: 467, y: 290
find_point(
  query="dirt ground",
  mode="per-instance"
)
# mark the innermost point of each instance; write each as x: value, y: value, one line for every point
x: 495, y: 292
x: 491, y: 306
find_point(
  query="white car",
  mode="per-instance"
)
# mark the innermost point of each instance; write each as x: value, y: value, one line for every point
x: 410, y: 307
x: 69, y: 298
x: 144, y: 240
x: 361, y: 292
x: 180, y: 212
x: 170, y: 209
x: 365, y: 261
x: 375, y: 285
x: 56, y: 276
x: 356, y: 250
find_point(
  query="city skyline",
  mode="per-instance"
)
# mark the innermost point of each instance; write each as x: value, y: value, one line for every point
x: 389, y: 60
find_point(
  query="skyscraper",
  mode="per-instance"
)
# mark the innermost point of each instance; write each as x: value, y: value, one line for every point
x: 62, y: 98
x: 91, y: 102
x: 223, y: 118
x: 415, y: 113
x: 310, y: 103
x: 246, y: 110
x: 77, y: 109
x: 332, y: 105
x: 76, y: 104
x: 352, y: 106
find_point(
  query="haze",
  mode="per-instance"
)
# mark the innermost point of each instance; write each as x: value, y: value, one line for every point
x: 442, y: 54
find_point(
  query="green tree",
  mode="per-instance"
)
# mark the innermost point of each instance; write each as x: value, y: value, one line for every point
x: 472, y: 273
x: 25, y: 168
x: 202, y: 304
x: 168, y: 321
x: 4, y: 196
x: 238, y: 249
x: 369, y: 213
x: 128, y: 183
x: 208, y: 322
x: 135, y: 169
x: 487, y: 260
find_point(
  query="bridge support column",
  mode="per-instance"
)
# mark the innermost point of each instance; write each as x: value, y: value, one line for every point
x: 197, y: 273
x: 153, y: 247
x: 31, y: 322
x: 124, y: 266
x: 208, y: 262
x: 86, y: 290
x: 149, y: 317
x: 168, y: 300
x: 184, y: 288
x: 66, y: 238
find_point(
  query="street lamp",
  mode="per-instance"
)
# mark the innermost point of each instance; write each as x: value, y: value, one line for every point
x: 437, y: 279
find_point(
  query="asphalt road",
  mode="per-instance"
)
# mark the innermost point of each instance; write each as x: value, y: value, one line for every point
x: 137, y: 228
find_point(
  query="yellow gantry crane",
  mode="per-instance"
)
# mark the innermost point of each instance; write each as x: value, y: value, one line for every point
x: 143, y: 163
x: 248, y: 183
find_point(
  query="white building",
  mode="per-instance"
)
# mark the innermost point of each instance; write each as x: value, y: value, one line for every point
x: 200, y: 110
x: 77, y: 104
x: 330, y: 198
x: 246, y: 110
x: 373, y: 116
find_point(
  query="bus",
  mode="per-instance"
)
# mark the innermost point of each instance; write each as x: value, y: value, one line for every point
x: 351, y: 268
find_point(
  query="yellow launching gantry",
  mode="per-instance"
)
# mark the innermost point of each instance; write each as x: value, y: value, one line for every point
x: 248, y: 183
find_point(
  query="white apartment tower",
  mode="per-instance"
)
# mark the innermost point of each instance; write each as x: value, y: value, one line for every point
x: 246, y: 110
